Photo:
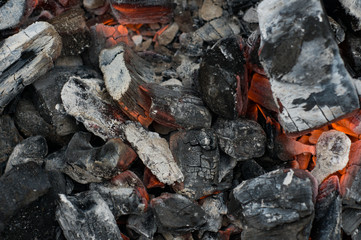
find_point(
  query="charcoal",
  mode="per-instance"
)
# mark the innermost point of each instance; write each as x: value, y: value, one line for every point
x: 24, y: 57
x: 210, y: 10
x: 197, y: 154
x: 10, y: 137
x: 86, y: 216
x: 19, y: 187
x: 72, y: 28
x: 222, y: 79
x: 252, y: 58
x: 187, y: 71
x: 143, y: 224
x: 177, y: 214
x: 215, y: 207
x: 14, y: 12
x: 218, y: 28
x: 87, y: 101
x: 49, y: 102
x: 125, y: 194
x: 177, y: 107
x: 175, y: 236
x: 85, y: 163
x: 337, y: 29
x: 353, y: 56
x: 191, y: 44
x: 356, y: 235
x: 351, y: 219
x: 251, y: 169
x: 287, y: 147
x: 226, y: 165
x: 276, y: 205
x: 353, y: 8
x: 332, y: 151
x: 167, y: 36
x: 328, y: 210
x: 260, y: 92
x: 154, y: 152
x: 241, y: 139
x: 294, y: 33
x: 32, y: 149
x: 124, y: 72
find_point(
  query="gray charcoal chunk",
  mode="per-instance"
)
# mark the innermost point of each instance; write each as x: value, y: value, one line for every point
x: 11, y: 13
x: 32, y: 149
x: 143, y: 224
x: 9, y: 137
x: 86, y: 216
x: 19, y: 187
x: 241, y: 139
x: 177, y: 214
x: 215, y: 207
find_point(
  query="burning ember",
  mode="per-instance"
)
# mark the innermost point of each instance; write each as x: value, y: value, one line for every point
x: 180, y: 119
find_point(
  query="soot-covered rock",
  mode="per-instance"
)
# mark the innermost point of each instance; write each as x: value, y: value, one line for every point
x: 9, y: 137
x: 143, y: 224
x: 85, y: 163
x: 32, y: 149
x: 86, y: 216
x: 294, y: 35
x: 276, y: 205
x: 241, y: 139
x: 196, y: 152
x: 222, y: 79
x: 177, y: 214
x: 20, y: 186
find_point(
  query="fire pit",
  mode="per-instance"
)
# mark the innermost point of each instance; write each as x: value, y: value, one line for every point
x: 180, y: 119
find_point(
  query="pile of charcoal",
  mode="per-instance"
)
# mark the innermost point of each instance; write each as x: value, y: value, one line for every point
x: 182, y: 119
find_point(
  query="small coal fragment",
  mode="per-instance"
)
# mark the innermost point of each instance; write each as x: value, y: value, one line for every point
x: 72, y: 28
x: 26, y: 56
x: 215, y: 207
x: 328, y: 210
x: 125, y: 194
x: 241, y: 139
x: 9, y: 137
x: 196, y: 152
x: 353, y: 8
x: 143, y: 224
x: 226, y: 165
x: 86, y: 216
x: 19, y: 187
x: 177, y: 214
x: 177, y: 107
x: 88, y: 101
x: 85, y: 163
x: 338, y: 31
x: 222, y: 78
x: 294, y: 33
x: 168, y: 35
x: 219, y: 28
x: 276, y: 205
x: 32, y: 149
x: 251, y: 169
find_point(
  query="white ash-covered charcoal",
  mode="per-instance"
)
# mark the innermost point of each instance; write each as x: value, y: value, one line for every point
x: 251, y: 169
x: 72, y: 28
x: 215, y: 208
x: 124, y: 72
x: 10, y: 137
x: 223, y: 79
x: 13, y: 12
x: 191, y: 44
x: 144, y: 224
x: 219, y: 28
x: 154, y: 152
x: 26, y: 56
x: 353, y: 8
x: 276, y: 205
x: 20, y: 186
x: 177, y: 107
x: 332, y: 151
x: 85, y: 163
x: 89, y: 102
x: 86, y: 216
x: 125, y: 194
x: 177, y: 214
x: 210, y: 10
x: 32, y: 149
x: 241, y: 139
x: 328, y: 210
x: 49, y: 103
x: 197, y: 153
x: 308, y: 78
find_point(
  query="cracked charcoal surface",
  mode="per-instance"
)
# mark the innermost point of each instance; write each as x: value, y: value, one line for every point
x: 291, y: 44
x: 240, y: 139
x: 196, y: 152
x: 10, y: 137
x: 86, y: 216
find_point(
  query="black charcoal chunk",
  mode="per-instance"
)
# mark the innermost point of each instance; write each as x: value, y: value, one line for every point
x: 226, y: 166
x: 177, y: 214
x: 302, y: 59
x: 215, y: 208
x: 197, y: 154
x: 19, y: 187
x: 56, y: 160
x: 32, y: 149
x: 351, y: 50
x: 276, y: 205
x: 251, y: 169
x: 353, y: 8
x: 222, y: 78
x: 143, y: 224
x: 86, y: 216
x: 241, y: 139
x: 85, y: 163
x: 351, y: 219
x: 337, y: 29
x: 9, y: 137
x: 328, y: 210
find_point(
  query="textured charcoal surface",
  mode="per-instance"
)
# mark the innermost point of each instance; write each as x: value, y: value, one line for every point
x: 11, y: 13
x: 86, y: 216
x: 9, y: 137
x: 215, y: 208
x: 241, y: 139
x: 278, y: 203
x: 308, y: 95
x: 251, y: 169
x: 143, y: 224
